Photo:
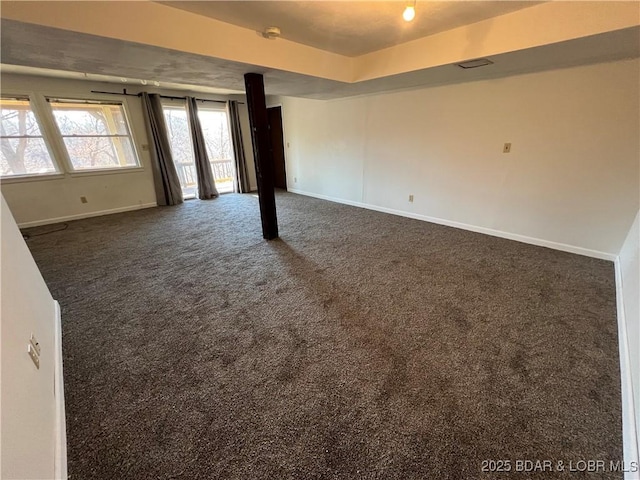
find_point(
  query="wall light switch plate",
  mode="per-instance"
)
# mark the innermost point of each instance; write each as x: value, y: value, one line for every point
x: 507, y: 148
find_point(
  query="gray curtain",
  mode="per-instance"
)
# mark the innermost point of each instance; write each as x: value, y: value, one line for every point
x: 165, y: 177
x: 206, y: 185
x: 242, y: 174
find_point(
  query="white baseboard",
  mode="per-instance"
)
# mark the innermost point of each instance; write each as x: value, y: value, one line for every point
x: 60, y: 448
x: 98, y: 213
x: 465, y: 226
x: 629, y: 433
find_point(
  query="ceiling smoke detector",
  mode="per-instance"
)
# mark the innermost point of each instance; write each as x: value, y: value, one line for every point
x: 271, y: 33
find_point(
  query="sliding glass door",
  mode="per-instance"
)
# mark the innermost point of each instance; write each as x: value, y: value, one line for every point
x: 215, y: 129
x: 182, y: 149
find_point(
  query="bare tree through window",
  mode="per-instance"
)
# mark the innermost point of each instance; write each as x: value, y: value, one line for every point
x: 23, y: 149
x: 215, y: 129
x: 96, y: 135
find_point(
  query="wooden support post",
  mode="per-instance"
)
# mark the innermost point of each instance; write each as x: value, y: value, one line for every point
x: 261, y: 138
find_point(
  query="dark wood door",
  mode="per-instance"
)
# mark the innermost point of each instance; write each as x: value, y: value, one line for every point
x: 277, y: 144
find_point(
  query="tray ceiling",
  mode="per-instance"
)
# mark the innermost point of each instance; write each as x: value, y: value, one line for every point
x: 350, y: 28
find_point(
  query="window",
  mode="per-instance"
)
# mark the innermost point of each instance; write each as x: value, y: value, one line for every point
x: 24, y: 151
x: 95, y: 134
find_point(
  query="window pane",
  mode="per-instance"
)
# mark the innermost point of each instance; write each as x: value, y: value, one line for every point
x: 25, y: 156
x: 179, y: 135
x: 96, y: 136
x: 86, y: 119
x: 99, y: 152
x: 18, y: 119
x: 182, y: 149
x: 24, y: 151
x: 215, y: 129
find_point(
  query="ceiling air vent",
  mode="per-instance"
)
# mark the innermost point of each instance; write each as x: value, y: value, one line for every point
x: 480, y: 62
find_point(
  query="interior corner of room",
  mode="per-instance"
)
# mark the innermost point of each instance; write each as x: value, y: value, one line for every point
x: 488, y: 123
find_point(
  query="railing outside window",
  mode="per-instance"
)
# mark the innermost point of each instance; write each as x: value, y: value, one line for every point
x: 222, y: 173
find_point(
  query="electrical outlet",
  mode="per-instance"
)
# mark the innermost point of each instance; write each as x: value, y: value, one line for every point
x: 411, y: 198
x: 83, y: 200
x: 507, y: 148
x: 288, y: 144
x: 295, y: 179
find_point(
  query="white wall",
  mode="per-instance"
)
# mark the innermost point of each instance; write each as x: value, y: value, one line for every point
x: 32, y: 430
x: 41, y: 201
x: 570, y: 181
x: 629, y: 303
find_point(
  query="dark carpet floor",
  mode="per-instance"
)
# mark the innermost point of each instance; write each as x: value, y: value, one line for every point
x: 360, y: 345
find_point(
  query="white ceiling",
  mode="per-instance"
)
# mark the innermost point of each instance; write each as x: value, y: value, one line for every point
x: 34, y: 49
x: 38, y: 40
x: 351, y: 28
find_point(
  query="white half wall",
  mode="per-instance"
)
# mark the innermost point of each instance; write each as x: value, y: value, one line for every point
x: 570, y: 180
x: 628, y: 280
x: 33, y: 427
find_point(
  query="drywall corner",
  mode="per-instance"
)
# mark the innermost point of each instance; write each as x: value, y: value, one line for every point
x: 627, y: 288
x: 60, y: 456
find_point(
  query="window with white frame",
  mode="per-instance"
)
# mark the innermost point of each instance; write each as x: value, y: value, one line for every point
x: 96, y: 134
x: 24, y: 151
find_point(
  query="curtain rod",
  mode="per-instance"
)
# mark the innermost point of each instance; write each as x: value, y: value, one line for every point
x: 169, y: 97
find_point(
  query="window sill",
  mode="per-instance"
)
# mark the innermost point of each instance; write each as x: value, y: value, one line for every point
x: 105, y: 171
x: 31, y: 178
x: 74, y: 174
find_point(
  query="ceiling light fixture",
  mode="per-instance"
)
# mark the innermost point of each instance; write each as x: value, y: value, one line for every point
x: 409, y: 12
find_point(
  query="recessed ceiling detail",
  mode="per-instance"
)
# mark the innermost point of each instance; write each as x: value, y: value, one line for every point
x: 351, y: 28
x: 94, y: 38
